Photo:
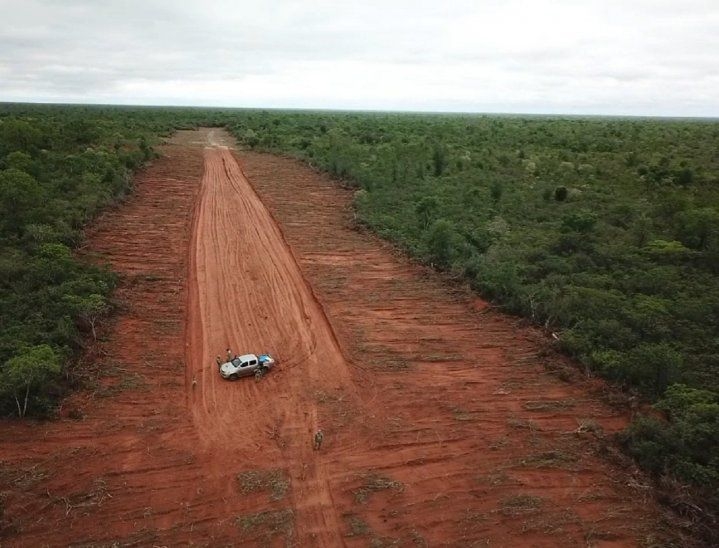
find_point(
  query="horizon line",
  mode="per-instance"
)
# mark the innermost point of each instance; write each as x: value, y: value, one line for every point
x: 363, y: 110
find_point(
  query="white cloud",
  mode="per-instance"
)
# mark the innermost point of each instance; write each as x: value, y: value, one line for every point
x: 603, y: 57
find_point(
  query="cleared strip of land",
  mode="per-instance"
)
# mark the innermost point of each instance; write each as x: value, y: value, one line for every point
x: 247, y: 293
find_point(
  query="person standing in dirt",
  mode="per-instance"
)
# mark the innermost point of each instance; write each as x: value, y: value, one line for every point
x: 319, y: 438
x: 229, y: 355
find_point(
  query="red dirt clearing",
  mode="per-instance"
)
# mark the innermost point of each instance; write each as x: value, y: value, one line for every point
x: 444, y: 424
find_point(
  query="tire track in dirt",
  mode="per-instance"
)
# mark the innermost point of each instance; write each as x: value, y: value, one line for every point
x: 247, y: 294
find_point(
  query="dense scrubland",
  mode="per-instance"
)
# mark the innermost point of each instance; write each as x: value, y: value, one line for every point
x: 58, y: 168
x: 604, y: 231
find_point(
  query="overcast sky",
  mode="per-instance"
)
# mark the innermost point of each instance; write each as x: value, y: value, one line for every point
x: 643, y: 57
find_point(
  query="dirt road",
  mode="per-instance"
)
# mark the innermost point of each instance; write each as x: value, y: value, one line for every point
x: 445, y: 422
x: 247, y: 293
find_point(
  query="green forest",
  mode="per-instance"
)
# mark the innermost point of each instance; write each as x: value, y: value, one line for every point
x: 605, y: 231
x: 58, y: 169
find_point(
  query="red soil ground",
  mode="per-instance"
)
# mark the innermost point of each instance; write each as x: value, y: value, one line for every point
x: 445, y: 422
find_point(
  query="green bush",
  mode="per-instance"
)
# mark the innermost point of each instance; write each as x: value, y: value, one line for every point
x: 687, y: 444
x: 25, y: 377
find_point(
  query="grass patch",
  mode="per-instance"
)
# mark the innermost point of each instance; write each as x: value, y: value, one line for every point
x: 149, y: 277
x: 552, y: 523
x: 460, y: 414
x: 520, y: 504
x: 357, y: 527
x: 389, y: 362
x: 441, y: 358
x: 522, y: 424
x: 97, y: 493
x: 550, y: 459
x: 22, y: 478
x: 271, y: 523
x: 332, y: 282
x: 548, y: 405
x: 274, y: 481
x: 560, y: 371
x: 499, y: 443
x: 166, y: 326
x: 373, y: 483
x: 111, y: 377
x: 379, y: 356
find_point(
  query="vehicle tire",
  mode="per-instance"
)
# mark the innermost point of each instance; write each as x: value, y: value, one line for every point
x: 233, y: 377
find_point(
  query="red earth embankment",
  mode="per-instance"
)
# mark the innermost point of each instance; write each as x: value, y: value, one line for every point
x: 445, y: 422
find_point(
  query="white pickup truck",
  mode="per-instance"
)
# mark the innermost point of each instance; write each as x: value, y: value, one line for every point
x: 246, y: 365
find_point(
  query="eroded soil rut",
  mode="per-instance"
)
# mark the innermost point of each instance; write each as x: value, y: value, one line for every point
x: 446, y: 423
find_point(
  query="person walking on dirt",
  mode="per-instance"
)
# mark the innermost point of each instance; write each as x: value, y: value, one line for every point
x: 219, y: 362
x: 319, y: 438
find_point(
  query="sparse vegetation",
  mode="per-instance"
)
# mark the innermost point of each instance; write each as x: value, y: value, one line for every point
x: 522, y: 423
x: 357, y: 526
x: 22, y: 477
x: 550, y: 459
x: 547, y: 405
x: 275, y: 481
x: 268, y: 524
x: 81, y: 501
x: 520, y: 504
x: 373, y: 483
x: 589, y: 426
